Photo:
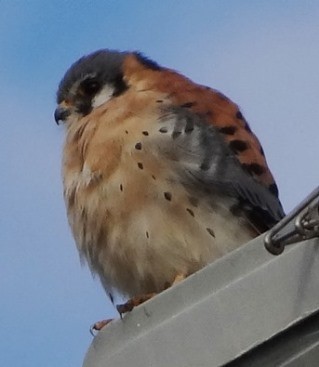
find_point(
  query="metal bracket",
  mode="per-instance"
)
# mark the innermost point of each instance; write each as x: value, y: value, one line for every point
x: 300, y: 224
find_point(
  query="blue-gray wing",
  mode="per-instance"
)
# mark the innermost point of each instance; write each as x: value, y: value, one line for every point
x: 206, y: 163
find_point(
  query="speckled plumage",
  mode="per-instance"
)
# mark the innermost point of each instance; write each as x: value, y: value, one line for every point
x: 161, y: 177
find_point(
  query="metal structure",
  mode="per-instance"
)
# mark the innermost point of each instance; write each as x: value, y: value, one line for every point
x: 301, y: 224
x: 249, y: 308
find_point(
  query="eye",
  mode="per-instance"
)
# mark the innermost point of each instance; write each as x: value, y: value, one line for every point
x: 90, y: 87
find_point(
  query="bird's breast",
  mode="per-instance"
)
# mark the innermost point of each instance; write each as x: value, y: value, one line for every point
x: 133, y: 220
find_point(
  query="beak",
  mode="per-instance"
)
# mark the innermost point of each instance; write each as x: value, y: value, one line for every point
x: 61, y: 114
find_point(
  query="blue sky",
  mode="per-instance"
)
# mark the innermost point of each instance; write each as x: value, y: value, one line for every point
x: 264, y: 55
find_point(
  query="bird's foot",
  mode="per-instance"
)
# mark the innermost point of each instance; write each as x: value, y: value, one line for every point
x: 133, y: 302
x: 97, y: 326
x: 138, y: 300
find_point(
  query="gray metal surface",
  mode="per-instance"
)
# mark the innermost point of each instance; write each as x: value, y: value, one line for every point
x: 297, y: 346
x: 219, y: 313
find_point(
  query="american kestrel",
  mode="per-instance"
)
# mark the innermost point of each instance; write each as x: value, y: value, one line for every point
x: 161, y: 175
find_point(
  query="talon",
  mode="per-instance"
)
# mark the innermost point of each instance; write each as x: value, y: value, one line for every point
x: 123, y: 308
x: 136, y: 301
x: 98, y: 326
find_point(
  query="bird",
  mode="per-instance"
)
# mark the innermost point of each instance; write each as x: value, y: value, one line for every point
x: 161, y: 176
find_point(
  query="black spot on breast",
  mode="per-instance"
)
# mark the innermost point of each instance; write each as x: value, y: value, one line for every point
x: 126, y: 132
x: 163, y: 130
x: 190, y: 212
x: 239, y: 115
x: 159, y: 101
x: 238, y: 145
x: 153, y: 177
x: 211, y: 232
x: 273, y: 189
x: 147, y: 234
x: 254, y: 168
x: 140, y: 165
x: 228, y: 130
x: 188, y: 104
x: 138, y: 146
x: 168, y: 196
x: 145, y: 133
x: 121, y: 187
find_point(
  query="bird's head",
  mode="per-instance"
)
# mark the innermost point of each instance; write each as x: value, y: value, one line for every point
x: 93, y: 80
x: 88, y: 83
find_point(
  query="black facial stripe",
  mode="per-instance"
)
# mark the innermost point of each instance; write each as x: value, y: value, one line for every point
x: 119, y: 86
x: 83, y: 106
x: 84, y: 102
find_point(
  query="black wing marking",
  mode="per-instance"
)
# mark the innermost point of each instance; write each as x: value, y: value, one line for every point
x: 204, y: 160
